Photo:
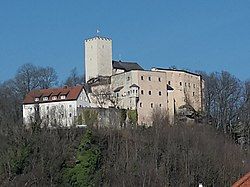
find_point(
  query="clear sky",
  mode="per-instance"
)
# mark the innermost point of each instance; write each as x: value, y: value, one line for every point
x: 208, y: 35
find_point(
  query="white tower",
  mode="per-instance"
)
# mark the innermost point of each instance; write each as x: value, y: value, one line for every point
x: 98, y: 57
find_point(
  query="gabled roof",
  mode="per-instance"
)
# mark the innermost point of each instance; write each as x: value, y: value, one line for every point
x: 126, y: 66
x: 71, y: 93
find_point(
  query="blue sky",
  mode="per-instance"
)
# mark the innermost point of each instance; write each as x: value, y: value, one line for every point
x: 203, y: 35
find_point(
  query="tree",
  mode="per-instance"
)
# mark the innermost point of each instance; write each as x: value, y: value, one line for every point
x: 27, y: 78
x: 47, y: 77
x: 74, y: 78
x: 30, y: 77
x: 224, y: 97
x: 85, y: 172
x: 103, y: 95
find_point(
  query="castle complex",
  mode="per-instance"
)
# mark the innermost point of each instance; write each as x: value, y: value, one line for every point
x: 117, y: 84
x: 134, y: 88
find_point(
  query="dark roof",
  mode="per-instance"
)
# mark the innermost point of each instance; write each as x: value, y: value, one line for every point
x: 71, y: 93
x: 169, y: 87
x: 134, y: 85
x: 126, y: 66
x: 118, y: 89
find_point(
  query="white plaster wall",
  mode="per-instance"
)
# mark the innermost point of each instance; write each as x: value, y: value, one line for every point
x: 64, y: 112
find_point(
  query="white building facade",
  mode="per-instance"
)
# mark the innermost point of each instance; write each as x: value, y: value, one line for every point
x: 55, y: 106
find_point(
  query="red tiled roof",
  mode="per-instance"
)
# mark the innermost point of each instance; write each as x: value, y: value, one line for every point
x: 71, y: 93
x: 243, y: 182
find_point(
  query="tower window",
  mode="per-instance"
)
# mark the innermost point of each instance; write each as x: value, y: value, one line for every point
x: 194, y: 85
x: 189, y: 84
x: 142, y: 92
x: 141, y: 77
x: 180, y: 83
x: 193, y: 93
x: 152, y: 105
x: 159, y: 79
x: 160, y: 93
x: 140, y: 104
x: 159, y: 105
x: 149, y: 78
x: 149, y: 92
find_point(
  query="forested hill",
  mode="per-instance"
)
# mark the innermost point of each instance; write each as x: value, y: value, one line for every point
x: 161, y: 155
x: 214, y: 152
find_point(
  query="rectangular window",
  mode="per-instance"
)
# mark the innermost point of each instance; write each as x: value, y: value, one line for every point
x: 180, y: 83
x: 160, y: 105
x: 193, y: 93
x: 149, y: 78
x: 141, y: 77
x: 149, y: 92
x: 159, y: 79
x: 189, y: 84
x: 140, y: 104
x: 194, y: 85
x: 142, y: 92
x: 160, y: 93
x: 152, y: 105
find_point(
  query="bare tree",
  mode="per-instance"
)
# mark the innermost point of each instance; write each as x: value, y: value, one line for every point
x: 224, y: 97
x: 74, y: 78
x: 27, y: 78
x: 47, y: 77
x: 103, y: 95
x: 31, y: 77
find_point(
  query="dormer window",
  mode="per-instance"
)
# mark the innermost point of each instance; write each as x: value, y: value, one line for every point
x: 63, y: 97
x: 45, y: 98
x: 36, y: 99
x: 54, y: 98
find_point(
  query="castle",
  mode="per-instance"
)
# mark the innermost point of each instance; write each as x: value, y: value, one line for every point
x: 138, y: 89
x: 123, y: 85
